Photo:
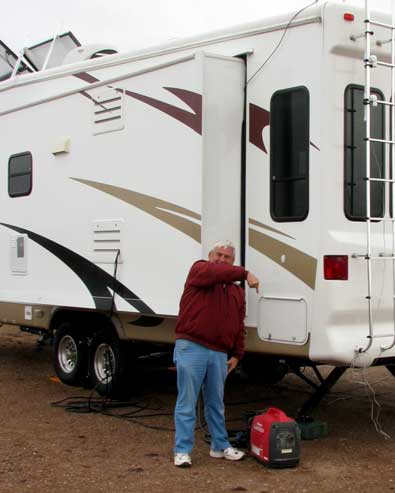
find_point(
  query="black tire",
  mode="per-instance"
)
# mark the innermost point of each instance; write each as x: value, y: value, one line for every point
x: 70, y: 354
x: 110, y: 366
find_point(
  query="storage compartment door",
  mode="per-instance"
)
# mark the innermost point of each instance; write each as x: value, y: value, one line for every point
x: 282, y: 319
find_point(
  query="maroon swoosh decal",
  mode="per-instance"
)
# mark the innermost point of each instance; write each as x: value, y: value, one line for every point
x: 86, y: 77
x: 259, y: 119
x: 192, y: 99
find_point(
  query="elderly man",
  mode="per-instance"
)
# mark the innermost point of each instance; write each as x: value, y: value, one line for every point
x: 210, y: 327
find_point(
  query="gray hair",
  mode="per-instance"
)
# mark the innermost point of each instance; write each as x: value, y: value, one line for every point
x: 223, y: 244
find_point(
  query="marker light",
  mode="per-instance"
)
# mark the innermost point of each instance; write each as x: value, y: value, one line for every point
x: 336, y: 267
x: 348, y: 17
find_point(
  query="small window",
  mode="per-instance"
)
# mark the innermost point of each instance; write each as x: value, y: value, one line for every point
x: 289, y: 154
x: 20, y: 168
x: 355, y: 155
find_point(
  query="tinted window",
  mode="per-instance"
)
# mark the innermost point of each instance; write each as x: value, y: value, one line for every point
x: 20, y: 174
x: 289, y: 154
x: 355, y: 155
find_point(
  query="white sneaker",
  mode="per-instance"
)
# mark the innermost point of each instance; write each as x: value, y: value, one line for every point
x: 229, y: 453
x: 182, y: 460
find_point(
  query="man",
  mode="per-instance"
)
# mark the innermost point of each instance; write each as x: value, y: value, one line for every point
x: 210, y: 326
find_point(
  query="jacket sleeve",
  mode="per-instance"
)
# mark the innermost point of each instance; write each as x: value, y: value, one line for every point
x: 204, y: 274
x: 238, y: 348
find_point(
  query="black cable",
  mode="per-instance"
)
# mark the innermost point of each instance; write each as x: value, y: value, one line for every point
x: 103, y: 400
x: 281, y: 39
x: 110, y: 369
x: 113, y: 287
x: 80, y: 405
x: 108, y: 407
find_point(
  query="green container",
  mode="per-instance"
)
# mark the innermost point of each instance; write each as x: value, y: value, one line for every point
x: 311, y: 429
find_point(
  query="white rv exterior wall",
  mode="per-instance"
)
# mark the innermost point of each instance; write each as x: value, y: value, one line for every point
x: 222, y: 123
x: 153, y: 155
x: 340, y: 317
x: 325, y: 321
x: 292, y: 68
x: 150, y: 157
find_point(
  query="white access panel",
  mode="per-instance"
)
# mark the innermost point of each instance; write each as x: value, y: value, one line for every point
x: 18, y: 254
x: 107, y: 241
x: 282, y: 319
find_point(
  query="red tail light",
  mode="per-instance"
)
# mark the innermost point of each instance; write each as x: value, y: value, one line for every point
x: 348, y: 17
x: 336, y: 267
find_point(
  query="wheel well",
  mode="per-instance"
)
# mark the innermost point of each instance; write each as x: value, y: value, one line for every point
x: 88, y: 322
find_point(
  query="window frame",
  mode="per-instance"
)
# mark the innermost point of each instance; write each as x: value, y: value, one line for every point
x: 373, y: 90
x: 20, y: 194
x: 295, y: 218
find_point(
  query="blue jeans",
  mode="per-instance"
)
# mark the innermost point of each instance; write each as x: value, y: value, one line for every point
x: 199, y: 368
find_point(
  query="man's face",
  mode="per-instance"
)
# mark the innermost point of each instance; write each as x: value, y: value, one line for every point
x: 222, y: 256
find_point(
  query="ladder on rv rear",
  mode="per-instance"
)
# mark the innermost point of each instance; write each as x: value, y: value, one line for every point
x: 370, y: 63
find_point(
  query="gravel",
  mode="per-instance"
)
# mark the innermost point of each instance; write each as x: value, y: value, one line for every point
x: 44, y: 448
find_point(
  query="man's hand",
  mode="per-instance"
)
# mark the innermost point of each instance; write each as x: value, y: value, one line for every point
x: 232, y: 363
x: 252, y: 281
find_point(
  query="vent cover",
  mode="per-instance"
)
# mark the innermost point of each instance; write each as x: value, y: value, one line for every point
x: 18, y: 247
x: 107, y: 110
x: 107, y: 240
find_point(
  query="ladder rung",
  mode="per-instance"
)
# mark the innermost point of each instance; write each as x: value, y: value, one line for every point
x: 385, y: 64
x: 387, y: 180
x: 381, y: 257
x: 371, y: 257
x: 380, y: 42
x: 382, y: 24
x: 383, y: 141
x: 381, y: 335
x: 388, y: 103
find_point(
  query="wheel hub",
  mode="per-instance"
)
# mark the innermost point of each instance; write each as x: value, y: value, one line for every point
x: 68, y: 354
x: 104, y: 363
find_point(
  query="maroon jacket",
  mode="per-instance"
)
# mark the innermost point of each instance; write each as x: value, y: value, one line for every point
x: 212, y: 308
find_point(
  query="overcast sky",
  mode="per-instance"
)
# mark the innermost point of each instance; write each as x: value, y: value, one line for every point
x: 130, y: 24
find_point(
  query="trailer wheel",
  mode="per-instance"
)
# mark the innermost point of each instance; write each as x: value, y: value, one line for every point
x: 70, y: 355
x: 110, y: 366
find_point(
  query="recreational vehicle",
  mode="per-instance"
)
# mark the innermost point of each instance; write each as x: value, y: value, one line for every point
x: 119, y: 170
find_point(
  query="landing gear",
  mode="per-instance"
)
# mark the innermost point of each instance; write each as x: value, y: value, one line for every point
x: 320, y: 390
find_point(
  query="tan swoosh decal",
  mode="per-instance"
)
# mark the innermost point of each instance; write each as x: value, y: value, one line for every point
x: 298, y: 263
x: 269, y: 228
x: 165, y: 211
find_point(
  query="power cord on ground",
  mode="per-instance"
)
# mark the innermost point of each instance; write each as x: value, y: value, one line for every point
x: 375, y: 406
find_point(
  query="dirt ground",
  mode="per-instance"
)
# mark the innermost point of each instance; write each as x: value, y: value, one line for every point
x: 48, y: 449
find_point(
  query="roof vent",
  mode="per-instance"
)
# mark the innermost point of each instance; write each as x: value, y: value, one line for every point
x: 87, y: 52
